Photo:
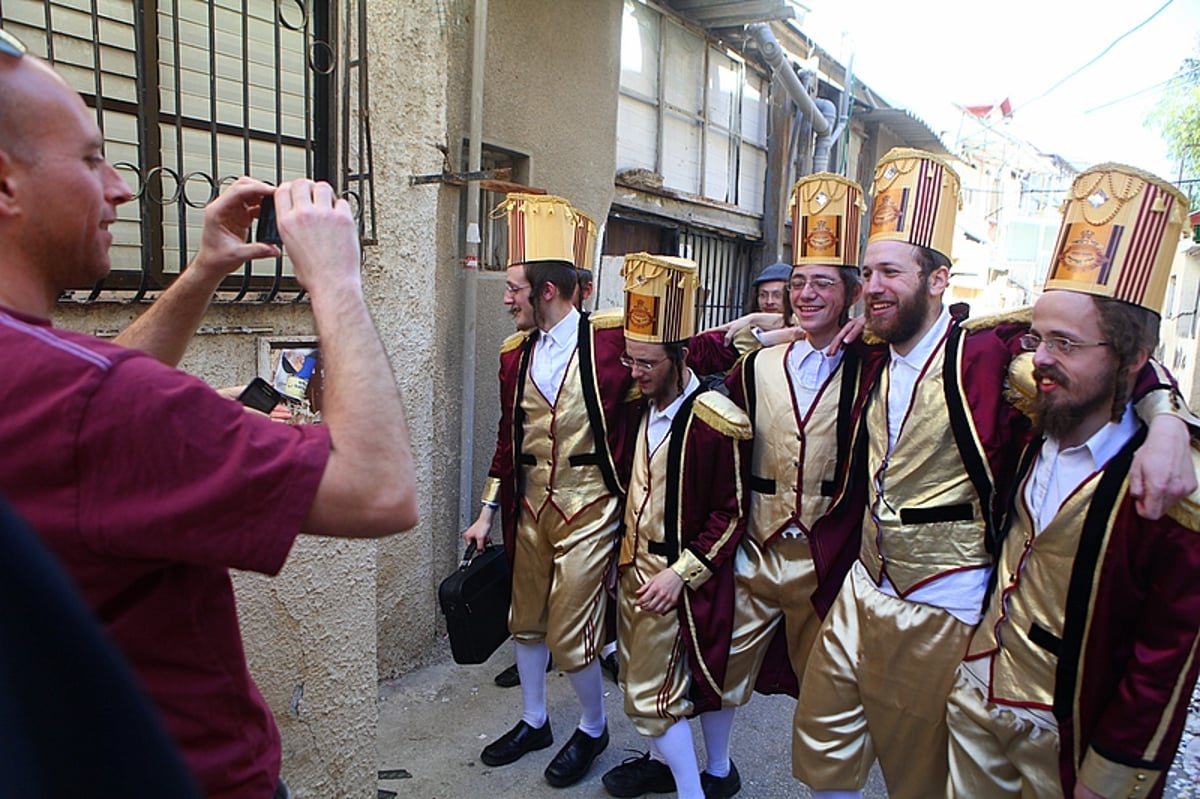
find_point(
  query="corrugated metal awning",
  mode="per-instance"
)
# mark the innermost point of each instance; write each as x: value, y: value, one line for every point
x: 732, y: 13
x: 908, y: 127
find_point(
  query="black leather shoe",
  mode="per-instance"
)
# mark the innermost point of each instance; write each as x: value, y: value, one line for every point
x: 573, y: 761
x: 512, y: 745
x: 638, y: 776
x: 609, y: 663
x: 721, y: 787
x: 511, y: 677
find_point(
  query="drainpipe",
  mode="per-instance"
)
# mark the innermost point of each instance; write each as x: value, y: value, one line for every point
x: 466, y: 441
x: 824, y: 140
x: 781, y: 67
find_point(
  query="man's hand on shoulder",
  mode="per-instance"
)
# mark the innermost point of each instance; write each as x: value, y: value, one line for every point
x: 1162, y: 473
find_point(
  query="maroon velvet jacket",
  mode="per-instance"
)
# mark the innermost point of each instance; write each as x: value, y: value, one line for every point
x: 1129, y: 656
x: 613, y: 401
x: 613, y: 409
x: 709, y: 494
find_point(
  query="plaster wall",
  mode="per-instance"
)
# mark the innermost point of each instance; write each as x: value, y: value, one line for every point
x: 550, y: 92
x: 309, y: 633
x: 414, y: 287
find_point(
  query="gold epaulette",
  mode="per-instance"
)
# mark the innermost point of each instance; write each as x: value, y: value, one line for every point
x: 1023, y: 316
x: 745, y: 341
x: 1020, y: 389
x: 1187, y: 511
x: 870, y: 338
x: 721, y: 414
x: 607, y: 318
x: 514, y: 341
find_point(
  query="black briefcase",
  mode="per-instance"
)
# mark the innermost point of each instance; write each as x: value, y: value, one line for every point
x: 475, y: 600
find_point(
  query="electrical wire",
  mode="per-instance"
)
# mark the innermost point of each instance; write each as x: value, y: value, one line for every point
x: 1102, y: 53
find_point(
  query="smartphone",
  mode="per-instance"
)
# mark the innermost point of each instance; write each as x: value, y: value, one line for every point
x: 260, y: 395
x: 268, y: 230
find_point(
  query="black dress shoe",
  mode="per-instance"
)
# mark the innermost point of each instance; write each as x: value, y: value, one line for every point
x: 609, y: 663
x: 510, y: 746
x: 638, y: 776
x: 573, y: 761
x: 510, y: 676
x: 721, y: 787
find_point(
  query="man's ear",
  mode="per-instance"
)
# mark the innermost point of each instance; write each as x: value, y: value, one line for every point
x: 939, y: 281
x: 8, y: 185
x: 1139, y: 361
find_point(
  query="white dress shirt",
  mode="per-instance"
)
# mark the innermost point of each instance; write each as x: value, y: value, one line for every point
x: 658, y: 423
x: 552, y: 354
x: 809, y: 370
x: 1058, y: 472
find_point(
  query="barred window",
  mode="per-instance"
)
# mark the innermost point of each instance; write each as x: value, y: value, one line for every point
x: 691, y: 111
x: 191, y: 94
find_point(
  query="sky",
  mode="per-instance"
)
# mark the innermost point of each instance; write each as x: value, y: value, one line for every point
x: 927, y: 54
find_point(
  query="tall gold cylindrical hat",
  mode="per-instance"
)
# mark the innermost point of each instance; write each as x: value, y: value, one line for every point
x: 660, y: 297
x: 585, y: 240
x: 541, y: 227
x: 827, y: 212
x: 1119, y: 233
x: 914, y: 199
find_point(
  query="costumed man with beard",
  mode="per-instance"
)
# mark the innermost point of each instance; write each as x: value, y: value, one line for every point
x: 684, y: 516
x: 564, y: 401
x: 1078, y: 678
x: 799, y: 399
x: 934, y: 453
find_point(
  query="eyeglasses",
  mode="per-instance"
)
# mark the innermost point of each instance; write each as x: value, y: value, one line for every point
x: 818, y: 283
x: 629, y: 361
x: 1030, y: 341
x: 11, y: 45
x: 512, y: 290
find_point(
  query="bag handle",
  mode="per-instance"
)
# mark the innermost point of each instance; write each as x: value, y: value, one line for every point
x: 470, y: 553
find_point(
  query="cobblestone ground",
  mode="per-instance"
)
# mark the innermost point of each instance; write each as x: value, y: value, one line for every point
x: 1183, y: 781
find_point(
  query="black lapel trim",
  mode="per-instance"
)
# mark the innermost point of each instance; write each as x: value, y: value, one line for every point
x: 1023, y: 466
x: 968, y: 449
x: 518, y: 413
x: 1083, y: 575
x: 851, y: 374
x: 591, y: 400
x: 749, y: 389
x: 679, y: 430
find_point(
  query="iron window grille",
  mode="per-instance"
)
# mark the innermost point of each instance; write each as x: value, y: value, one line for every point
x: 191, y: 94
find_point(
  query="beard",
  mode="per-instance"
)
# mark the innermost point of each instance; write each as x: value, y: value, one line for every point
x: 911, y: 313
x: 1059, y: 415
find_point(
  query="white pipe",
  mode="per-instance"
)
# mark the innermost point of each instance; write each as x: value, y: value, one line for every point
x: 466, y: 441
x: 777, y: 59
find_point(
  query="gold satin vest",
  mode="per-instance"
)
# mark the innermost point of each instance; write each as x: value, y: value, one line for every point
x: 798, y: 455
x: 553, y: 435
x: 1032, y: 578
x: 928, y: 521
x: 646, y: 503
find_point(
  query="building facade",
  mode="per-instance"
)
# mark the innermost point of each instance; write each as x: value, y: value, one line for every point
x: 666, y: 124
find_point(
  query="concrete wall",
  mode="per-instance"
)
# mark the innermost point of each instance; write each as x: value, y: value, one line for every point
x: 550, y: 91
